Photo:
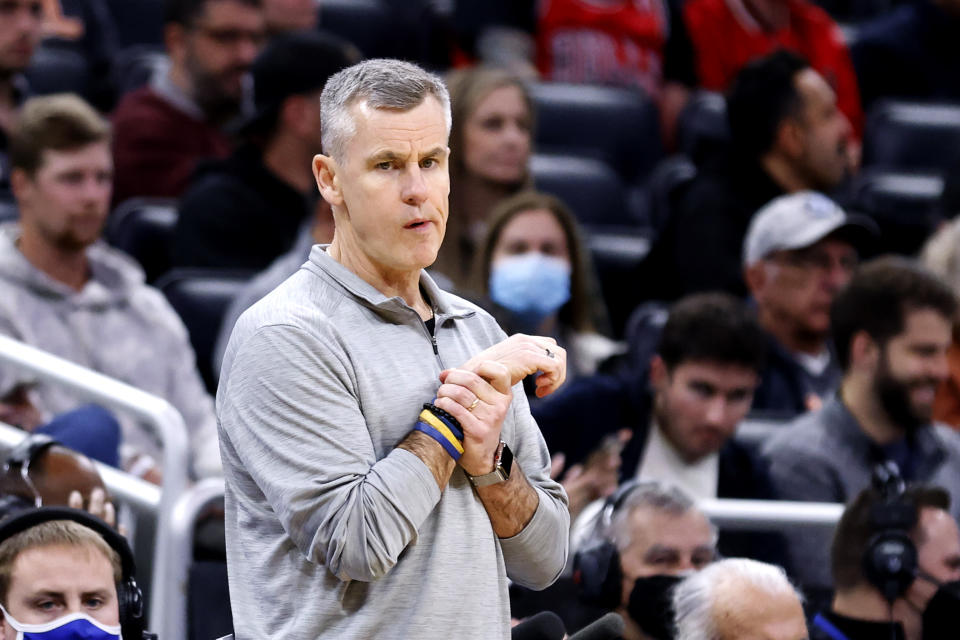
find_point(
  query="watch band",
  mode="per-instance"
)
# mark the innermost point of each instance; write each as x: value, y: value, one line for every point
x: 502, y: 464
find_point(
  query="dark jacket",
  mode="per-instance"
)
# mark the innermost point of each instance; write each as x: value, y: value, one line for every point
x: 826, y: 625
x: 238, y: 215
x: 576, y: 421
x: 701, y: 244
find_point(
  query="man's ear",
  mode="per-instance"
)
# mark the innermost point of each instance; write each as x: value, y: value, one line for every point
x: 864, y: 351
x: 755, y: 277
x: 174, y: 40
x: 326, y: 172
x: 659, y: 376
x: 790, y: 137
x: 19, y: 183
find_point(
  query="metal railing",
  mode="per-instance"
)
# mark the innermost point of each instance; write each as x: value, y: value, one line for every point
x: 770, y: 515
x: 156, y: 412
x: 176, y: 574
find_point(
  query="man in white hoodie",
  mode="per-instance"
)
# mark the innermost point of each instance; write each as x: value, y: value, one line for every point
x: 64, y: 291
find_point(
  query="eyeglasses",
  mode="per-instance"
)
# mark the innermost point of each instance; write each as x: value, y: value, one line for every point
x: 816, y: 260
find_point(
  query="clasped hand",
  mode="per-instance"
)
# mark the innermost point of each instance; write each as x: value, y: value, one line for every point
x: 478, y: 393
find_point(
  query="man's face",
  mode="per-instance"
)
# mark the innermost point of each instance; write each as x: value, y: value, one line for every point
x: 938, y: 553
x: 391, y: 209
x: 53, y: 581
x: 218, y: 49
x: 700, y: 404
x: 67, y: 199
x: 743, y: 612
x: 823, y: 158
x: 20, y: 31
x: 798, y: 286
x: 911, y: 366
x: 665, y: 543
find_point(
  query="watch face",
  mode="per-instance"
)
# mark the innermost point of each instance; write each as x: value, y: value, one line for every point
x: 506, y: 459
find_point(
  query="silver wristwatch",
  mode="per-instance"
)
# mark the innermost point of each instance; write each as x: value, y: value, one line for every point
x: 502, y: 463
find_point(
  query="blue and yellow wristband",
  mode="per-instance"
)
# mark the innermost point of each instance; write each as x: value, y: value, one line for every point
x: 445, y: 430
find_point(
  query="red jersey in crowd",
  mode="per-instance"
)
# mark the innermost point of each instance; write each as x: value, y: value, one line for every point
x: 726, y: 37
x: 618, y: 42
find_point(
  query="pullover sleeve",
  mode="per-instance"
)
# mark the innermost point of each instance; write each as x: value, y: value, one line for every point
x: 290, y: 413
x: 536, y: 556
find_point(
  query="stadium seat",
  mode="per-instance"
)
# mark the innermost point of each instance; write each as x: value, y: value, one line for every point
x: 617, y: 254
x: 702, y: 129
x: 910, y: 136
x: 58, y: 69
x: 138, y: 21
x: 365, y: 23
x: 665, y: 185
x: 201, y: 297
x: 904, y: 205
x: 618, y: 126
x: 208, y: 601
x: 144, y: 228
x: 589, y: 187
x: 642, y: 333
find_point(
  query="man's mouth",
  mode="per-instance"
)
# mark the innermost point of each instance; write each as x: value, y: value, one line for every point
x: 417, y: 224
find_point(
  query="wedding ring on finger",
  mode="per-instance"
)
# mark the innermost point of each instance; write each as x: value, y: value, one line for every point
x: 473, y: 405
x: 549, y: 353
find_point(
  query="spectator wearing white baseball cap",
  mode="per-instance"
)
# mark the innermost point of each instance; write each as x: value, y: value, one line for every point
x: 799, y: 251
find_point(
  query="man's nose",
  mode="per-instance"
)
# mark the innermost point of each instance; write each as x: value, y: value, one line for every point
x: 414, y: 190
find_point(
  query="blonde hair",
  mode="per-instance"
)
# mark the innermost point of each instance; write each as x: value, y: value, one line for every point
x: 51, y: 533
x: 59, y: 122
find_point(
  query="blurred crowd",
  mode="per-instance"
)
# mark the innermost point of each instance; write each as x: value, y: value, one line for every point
x: 737, y: 217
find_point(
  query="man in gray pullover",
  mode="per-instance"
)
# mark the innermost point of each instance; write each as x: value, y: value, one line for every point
x: 351, y: 510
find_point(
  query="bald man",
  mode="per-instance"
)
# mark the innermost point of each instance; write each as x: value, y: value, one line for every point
x: 738, y: 599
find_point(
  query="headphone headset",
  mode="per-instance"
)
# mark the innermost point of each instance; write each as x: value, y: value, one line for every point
x: 596, y: 567
x: 890, y: 559
x: 129, y: 596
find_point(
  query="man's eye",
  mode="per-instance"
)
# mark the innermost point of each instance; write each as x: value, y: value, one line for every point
x: 384, y: 166
x: 427, y: 163
x: 94, y: 603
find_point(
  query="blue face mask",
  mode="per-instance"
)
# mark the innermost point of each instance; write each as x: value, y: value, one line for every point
x: 75, y: 626
x: 531, y: 286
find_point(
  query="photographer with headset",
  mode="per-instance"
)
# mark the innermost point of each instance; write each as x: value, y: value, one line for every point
x: 648, y: 536
x: 66, y: 575
x: 895, y: 565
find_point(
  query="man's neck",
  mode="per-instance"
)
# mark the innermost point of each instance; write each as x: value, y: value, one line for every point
x: 783, y: 174
x: 786, y: 333
x: 861, y: 400
x: 288, y: 157
x: 69, y: 267
x: 405, y: 285
x: 8, y: 101
x: 865, y: 603
x: 179, y: 78
x: 631, y: 630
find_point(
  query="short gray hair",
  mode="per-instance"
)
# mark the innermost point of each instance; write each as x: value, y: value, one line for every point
x: 694, y: 598
x: 382, y: 83
x: 615, y: 521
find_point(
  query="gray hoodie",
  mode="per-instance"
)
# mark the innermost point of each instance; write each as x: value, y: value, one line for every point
x: 116, y: 325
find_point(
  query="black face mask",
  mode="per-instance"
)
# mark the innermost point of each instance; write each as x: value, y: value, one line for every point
x: 650, y: 605
x: 941, y: 618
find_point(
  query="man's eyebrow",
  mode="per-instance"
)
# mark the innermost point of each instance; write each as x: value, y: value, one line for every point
x: 386, y: 154
x: 436, y: 151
